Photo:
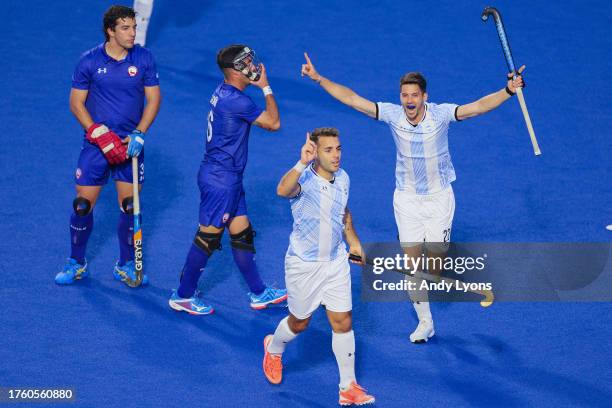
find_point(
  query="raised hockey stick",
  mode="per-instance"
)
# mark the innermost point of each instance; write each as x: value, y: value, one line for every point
x: 501, y: 32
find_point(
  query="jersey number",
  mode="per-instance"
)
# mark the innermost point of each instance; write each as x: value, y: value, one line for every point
x: 209, y: 129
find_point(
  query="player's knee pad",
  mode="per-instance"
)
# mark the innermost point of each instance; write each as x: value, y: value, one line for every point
x: 244, y: 240
x: 82, y: 206
x: 208, y: 241
x: 127, y: 205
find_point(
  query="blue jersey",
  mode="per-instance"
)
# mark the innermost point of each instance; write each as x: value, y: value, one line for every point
x: 116, y: 88
x: 227, y: 138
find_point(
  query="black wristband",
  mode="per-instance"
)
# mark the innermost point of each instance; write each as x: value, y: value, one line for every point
x: 509, y: 92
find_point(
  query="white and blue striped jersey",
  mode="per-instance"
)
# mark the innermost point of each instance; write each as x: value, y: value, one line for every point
x: 423, y: 162
x: 318, y: 217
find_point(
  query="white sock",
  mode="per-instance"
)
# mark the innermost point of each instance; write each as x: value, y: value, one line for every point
x: 422, y: 310
x: 419, y: 298
x: 282, y: 336
x: 343, y: 345
x: 143, y: 9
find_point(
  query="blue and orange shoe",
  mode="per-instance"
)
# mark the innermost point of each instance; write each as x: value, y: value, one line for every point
x: 192, y: 305
x: 72, y: 271
x: 128, y: 269
x: 268, y: 296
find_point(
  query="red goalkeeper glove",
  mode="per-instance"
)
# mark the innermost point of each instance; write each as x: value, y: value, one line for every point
x: 108, y: 141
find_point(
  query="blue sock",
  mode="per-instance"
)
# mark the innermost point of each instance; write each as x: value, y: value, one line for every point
x: 125, y: 233
x: 194, y: 266
x: 246, y: 263
x: 80, y: 230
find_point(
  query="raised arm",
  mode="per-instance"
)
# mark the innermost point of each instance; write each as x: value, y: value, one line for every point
x: 492, y: 101
x: 288, y: 186
x: 270, y: 118
x: 345, y: 95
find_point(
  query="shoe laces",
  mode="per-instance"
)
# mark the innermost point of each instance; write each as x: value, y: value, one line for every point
x: 358, y: 387
x: 275, y: 362
x: 198, y: 300
x: 265, y: 295
x: 423, y: 324
x: 71, y: 266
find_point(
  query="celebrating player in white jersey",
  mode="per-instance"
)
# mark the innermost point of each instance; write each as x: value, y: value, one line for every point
x: 423, y: 202
x: 317, y: 271
x: 143, y: 9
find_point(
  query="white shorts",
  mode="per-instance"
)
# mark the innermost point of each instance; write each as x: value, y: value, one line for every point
x: 424, y: 217
x: 310, y: 284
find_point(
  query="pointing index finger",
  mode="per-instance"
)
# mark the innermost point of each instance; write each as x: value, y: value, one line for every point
x: 307, y: 58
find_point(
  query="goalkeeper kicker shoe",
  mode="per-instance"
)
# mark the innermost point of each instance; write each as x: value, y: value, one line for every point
x: 192, y: 305
x: 268, y: 296
x: 423, y: 332
x: 72, y: 271
x: 355, y: 395
x: 129, y: 269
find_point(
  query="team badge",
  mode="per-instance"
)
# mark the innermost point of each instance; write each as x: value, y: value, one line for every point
x: 78, y: 173
x: 132, y: 71
x: 225, y: 217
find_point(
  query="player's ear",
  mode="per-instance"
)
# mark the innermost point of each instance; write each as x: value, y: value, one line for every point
x: 425, y: 96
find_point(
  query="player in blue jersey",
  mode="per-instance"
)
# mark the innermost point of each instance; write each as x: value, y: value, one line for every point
x: 317, y: 268
x: 423, y: 201
x: 222, y: 198
x: 109, y: 88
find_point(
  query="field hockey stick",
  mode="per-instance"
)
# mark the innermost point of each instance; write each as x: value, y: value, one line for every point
x: 501, y: 32
x: 137, y: 238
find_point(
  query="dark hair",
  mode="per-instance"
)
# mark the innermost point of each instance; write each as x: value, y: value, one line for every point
x: 323, y: 131
x: 414, y: 78
x: 113, y: 14
x: 227, y: 55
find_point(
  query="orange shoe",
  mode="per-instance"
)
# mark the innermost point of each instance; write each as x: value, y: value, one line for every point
x: 272, y: 364
x: 355, y: 395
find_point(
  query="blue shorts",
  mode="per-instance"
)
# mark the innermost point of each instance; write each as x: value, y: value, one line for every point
x: 94, y: 170
x: 218, y: 205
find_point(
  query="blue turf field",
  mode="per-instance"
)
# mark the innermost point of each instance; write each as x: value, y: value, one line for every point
x: 119, y: 347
